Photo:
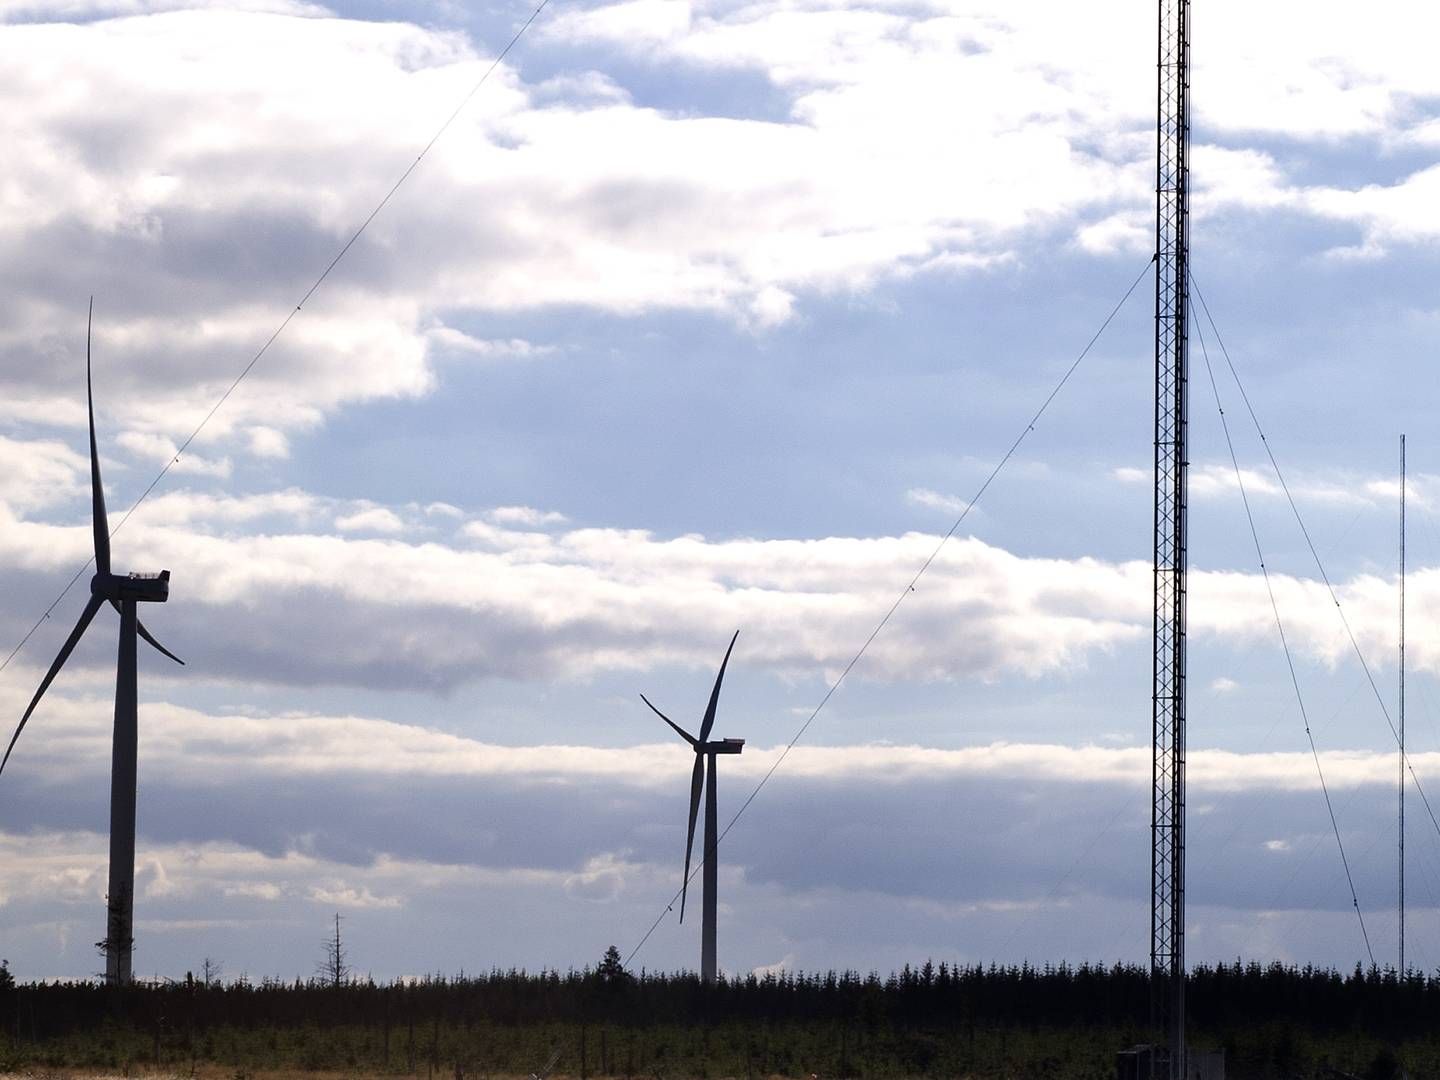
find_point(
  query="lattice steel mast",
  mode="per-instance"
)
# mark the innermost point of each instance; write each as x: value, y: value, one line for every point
x: 1172, y: 246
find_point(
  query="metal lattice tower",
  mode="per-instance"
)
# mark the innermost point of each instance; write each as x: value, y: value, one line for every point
x: 1172, y: 247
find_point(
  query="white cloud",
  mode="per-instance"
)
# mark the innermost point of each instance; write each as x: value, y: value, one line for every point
x: 35, y: 475
x: 601, y: 881
x: 259, y: 890
x: 1327, y: 78
x: 573, y: 602
x: 1127, y: 231
x: 527, y: 516
x: 570, y: 193
x: 199, y: 510
x: 1260, y: 75
x: 182, y: 744
x: 64, y: 10
x: 934, y: 500
x: 163, y: 451
x: 538, y: 196
x: 1217, y: 480
x: 589, y: 600
x: 375, y: 519
x: 452, y: 340
x: 156, y: 882
x: 267, y: 442
x: 784, y: 964
x: 70, y: 867
x: 340, y: 895
x: 1208, y: 481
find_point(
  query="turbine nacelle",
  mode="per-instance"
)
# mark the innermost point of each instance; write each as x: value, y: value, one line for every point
x: 723, y: 746
x: 141, y: 588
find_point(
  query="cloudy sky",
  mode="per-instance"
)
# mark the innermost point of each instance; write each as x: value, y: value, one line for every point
x: 705, y: 315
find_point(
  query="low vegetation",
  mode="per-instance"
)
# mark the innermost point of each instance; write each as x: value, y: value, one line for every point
x: 932, y: 1021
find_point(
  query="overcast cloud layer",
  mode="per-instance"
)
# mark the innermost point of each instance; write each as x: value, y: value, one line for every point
x: 312, y: 822
x: 704, y: 316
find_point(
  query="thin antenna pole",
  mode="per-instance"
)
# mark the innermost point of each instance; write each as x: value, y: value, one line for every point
x: 1402, y: 706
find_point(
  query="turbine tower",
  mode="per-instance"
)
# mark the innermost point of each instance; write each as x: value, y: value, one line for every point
x: 123, y: 592
x: 1172, y: 353
x: 703, y: 776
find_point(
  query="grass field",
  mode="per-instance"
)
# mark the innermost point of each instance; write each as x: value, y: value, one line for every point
x: 738, y: 1051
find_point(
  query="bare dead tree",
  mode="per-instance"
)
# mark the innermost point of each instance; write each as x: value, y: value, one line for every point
x: 334, y: 968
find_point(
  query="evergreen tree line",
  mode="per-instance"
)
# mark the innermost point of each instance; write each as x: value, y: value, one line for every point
x: 1221, y: 997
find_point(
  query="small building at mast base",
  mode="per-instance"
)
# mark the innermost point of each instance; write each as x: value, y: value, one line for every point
x: 1148, y: 1062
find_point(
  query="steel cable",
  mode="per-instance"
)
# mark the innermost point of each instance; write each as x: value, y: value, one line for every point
x: 889, y: 614
x: 1284, y: 643
x: 315, y: 285
x: 1315, y: 554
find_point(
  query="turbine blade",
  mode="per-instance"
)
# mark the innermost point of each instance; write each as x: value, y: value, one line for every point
x: 149, y: 640
x: 709, y: 721
x: 85, y: 616
x: 697, y: 781
x: 678, y: 729
x: 99, y: 521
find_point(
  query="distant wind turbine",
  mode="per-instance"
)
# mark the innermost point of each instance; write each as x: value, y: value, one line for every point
x: 122, y: 592
x: 703, y: 776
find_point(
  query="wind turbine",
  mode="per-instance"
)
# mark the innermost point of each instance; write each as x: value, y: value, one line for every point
x: 703, y: 776
x: 123, y: 592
